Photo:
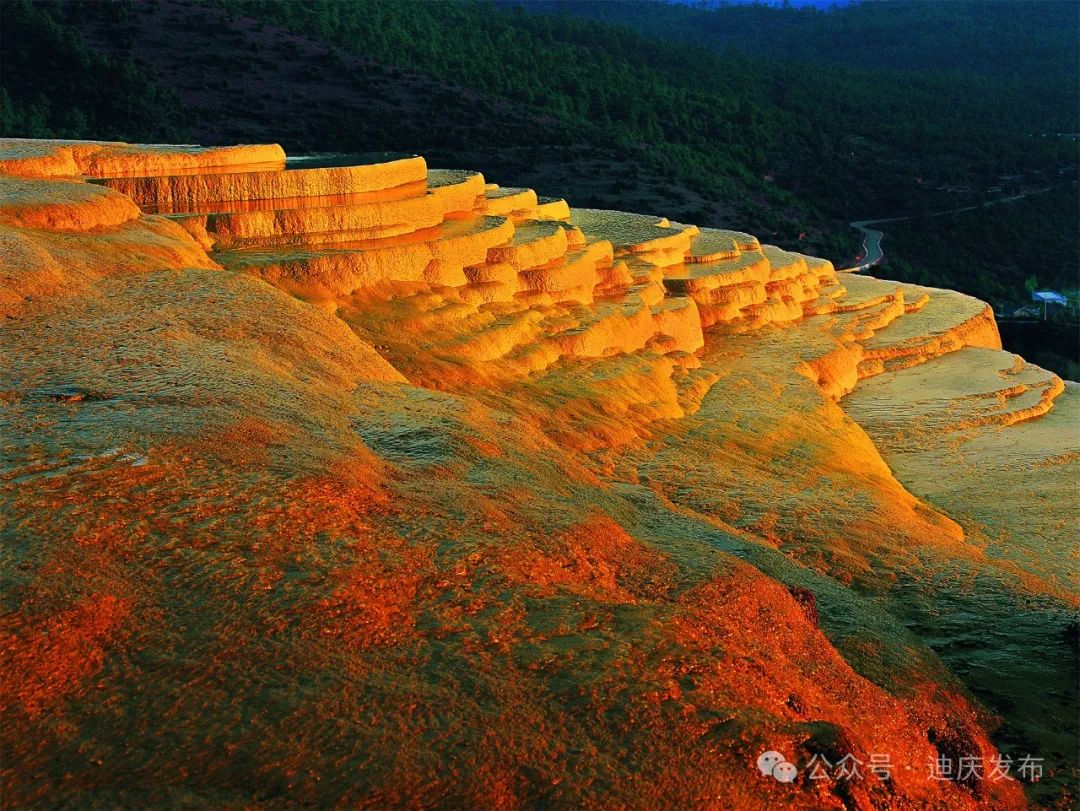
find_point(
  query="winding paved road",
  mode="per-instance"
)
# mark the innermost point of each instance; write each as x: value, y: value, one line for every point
x: 872, y: 253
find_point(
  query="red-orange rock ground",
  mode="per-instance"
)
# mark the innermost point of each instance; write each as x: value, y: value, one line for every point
x: 368, y: 485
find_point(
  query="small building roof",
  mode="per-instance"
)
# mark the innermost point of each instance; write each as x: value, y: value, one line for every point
x: 1048, y: 296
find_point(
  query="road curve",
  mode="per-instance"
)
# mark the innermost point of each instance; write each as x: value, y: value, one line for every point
x: 872, y: 253
x: 871, y: 246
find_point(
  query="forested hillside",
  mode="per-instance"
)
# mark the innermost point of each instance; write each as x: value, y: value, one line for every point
x: 52, y: 84
x: 1032, y: 41
x: 827, y: 134
x: 800, y: 122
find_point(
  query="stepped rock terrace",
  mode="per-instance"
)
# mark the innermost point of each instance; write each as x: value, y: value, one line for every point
x: 342, y: 481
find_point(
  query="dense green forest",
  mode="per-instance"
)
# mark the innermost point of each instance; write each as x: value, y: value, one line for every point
x: 785, y: 122
x: 1031, y: 41
x: 53, y: 85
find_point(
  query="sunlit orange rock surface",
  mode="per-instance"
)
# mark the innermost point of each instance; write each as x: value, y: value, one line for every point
x: 343, y: 481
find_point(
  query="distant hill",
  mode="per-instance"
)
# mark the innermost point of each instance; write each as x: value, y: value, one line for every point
x: 1030, y: 41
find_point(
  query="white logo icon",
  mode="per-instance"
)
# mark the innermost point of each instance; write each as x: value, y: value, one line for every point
x: 775, y: 764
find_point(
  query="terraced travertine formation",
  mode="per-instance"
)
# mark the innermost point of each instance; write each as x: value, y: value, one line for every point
x: 347, y: 481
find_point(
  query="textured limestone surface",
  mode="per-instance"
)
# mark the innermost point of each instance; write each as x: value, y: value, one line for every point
x: 380, y: 485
